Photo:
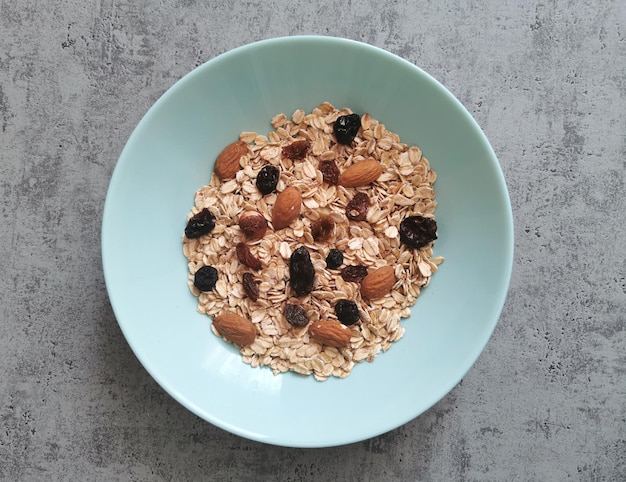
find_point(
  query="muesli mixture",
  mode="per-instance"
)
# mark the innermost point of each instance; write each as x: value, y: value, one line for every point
x: 310, y: 244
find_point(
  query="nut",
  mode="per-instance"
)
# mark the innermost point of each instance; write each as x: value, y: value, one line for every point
x: 361, y: 173
x: 378, y: 282
x: 331, y: 333
x: 286, y: 208
x: 253, y: 224
x: 245, y: 256
x: 235, y: 329
x: 227, y: 162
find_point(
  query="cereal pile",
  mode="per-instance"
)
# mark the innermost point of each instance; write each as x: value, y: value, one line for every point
x: 310, y: 244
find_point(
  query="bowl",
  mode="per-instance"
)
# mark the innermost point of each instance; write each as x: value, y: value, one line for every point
x: 170, y: 155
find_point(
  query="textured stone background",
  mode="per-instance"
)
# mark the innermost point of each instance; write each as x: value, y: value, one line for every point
x: 547, y: 82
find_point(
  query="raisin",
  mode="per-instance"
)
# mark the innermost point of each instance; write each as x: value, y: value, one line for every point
x: 253, y: 225
x: 297, y: 150
x: 354, y: 273
x: 330, y: 172
x: 334, y: 259
x: 245, y: 256
x: 296, y: 315
x: 205, y: 278
x: 250, y: 286
x: 418, y: 231
x: 323, y: 228
x: 200, y: 224
x: 346, y: 128
x: 347, y: 312
x: 267, y: 179
x: 301, y: 271
x: 356, y: 210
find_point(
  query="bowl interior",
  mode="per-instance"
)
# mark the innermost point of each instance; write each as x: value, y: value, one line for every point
x: 170, y: 155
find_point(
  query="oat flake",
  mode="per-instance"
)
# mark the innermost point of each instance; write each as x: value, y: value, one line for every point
x: 404, y: 189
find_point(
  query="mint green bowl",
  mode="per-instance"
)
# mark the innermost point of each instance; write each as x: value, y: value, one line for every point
x: 170, y: 155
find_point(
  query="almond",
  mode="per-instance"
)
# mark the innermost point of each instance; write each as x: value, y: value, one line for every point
x: 361, y: 173
x: 235, y: 329
x: 378, y: 282
x: 227, y: 163
x: 286, y: 208
x: 331, y: 333
x: 253, y: 224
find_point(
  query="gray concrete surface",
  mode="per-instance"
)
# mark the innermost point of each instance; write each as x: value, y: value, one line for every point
x: 547, y: 82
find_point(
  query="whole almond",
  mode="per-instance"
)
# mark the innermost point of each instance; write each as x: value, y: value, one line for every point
x: 227, y: 163
x: 235, y: 329
x: 286, y: 208
x: 253, y: 224
x: 331, y: 333
x: 361, y: 173
x: 378, y: 282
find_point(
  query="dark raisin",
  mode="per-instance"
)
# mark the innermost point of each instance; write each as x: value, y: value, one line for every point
x: 346, y: 128
x: 296, y: 315
x: 301, y: 271
x: 347, y: 312
x: 267, y: 179
x: 330, y: 172
x: 297, y: 150
x: 356, y: 210
x: 323, y: 228
x: 200, y: 224
x: 250, y: 286
x: 354, y: 273
x: 205, y: 278
x: 418, y: 231
x: 334, y: 259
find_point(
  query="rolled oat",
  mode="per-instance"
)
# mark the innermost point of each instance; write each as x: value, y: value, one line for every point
x: 405, y: 188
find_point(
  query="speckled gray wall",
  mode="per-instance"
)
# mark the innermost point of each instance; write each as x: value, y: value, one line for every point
x: 547, y: 82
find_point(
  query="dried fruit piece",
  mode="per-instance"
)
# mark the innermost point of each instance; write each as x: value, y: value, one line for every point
x: 418, y: 231
x: 301, y: 271
x: 205, y: 278
x: 235, y: 329
x: 347, y: 312
x: 323, y: 229
x: 331, y: 333
x: 227, y: 163
x: 200, y: 224
x: 296, y: 315
x: 346, y: 127
x: 250, y: 286
x: 334, y: 259
x: 356, y: 210
x: 297, y: 150
x: 361, y: 173
x: 354, y: 273
x: 267, y: 179
x: 378, y: 283
x: 330, y: 172
x: 245, y: 256
x: 286, y: 208
x: 253, y: 224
